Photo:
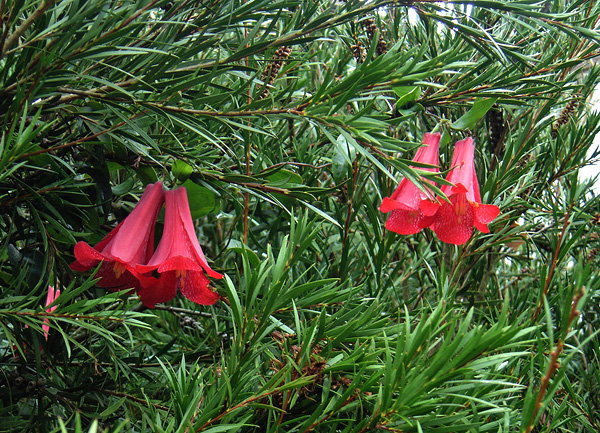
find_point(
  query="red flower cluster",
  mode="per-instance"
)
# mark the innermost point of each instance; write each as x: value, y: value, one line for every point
x: 128, y: 260
x: 412, y: 210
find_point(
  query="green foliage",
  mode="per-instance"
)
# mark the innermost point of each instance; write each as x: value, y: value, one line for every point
x: 288, y: 122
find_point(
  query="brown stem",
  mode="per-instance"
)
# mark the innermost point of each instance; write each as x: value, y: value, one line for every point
x: 248, y: 113
x: 133, y: 398
x: 55, y: 315
x: 72, y: 143
x: 253, y: 185
x: 297, y: 164
x: 10, y: 40
x: 22, y: 197
x: 350, y: 399
x: 350, y: 201
x: 176, y: 310
x: 36, y: 59
x: 554, y: 261
x: 554, y: 364
x: 237, y: 406
x: 4, y: 23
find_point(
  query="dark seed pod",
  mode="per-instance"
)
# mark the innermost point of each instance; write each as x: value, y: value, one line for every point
x: 167, y: 6
x: 381, y: 47
x: 497, y: 128
x: 20, y: 382
x: 371, y: 29
x: 31, y: 387
x: 273, y: 68
x: 522, y: 163
x: 565, y: 115
x: 189, y: 322
x: 359, y: 52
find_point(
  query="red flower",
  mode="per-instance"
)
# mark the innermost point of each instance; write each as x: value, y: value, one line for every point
x: 178, y: 259
x: 454, y: 221
x: 126, y: 246
x: 413, y: 209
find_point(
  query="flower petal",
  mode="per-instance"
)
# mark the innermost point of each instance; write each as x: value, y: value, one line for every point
x: 388, y: 204
x: 195, y: 288
x: 484, y: 214
x: 131, y: 243
x: 126, y: 246
x: 179, y: 263
x: 412, y: 209
x: 406, y: 222
x: 429, y: 207
x: 86, y: 257
x: 178, y: 258
x: 163, y: 290
x: 454, y: 221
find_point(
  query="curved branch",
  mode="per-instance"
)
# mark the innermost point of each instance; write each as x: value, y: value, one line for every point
x: 26, y: 24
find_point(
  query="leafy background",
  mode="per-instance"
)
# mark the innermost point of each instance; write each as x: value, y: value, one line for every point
x: 288, y: 121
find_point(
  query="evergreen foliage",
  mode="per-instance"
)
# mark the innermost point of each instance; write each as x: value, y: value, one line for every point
x: 288, y: 121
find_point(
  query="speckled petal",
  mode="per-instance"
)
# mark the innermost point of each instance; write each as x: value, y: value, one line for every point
x: 195, y: 288
x: 454, y: 222
x: 163, y: 290
x: 484, y: 214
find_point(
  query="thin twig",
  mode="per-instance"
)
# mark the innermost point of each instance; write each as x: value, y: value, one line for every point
x: 10, y: 40
x: 350, y: 399
x: 33, y: 194
x: 237, y: 406
x: 554, y: 261
x: 33, y: 63
x: 247, y: 113
x: 248, y: 154
x: 554, y: 364
x: 297, y: 164
x: 72, y: 143
x: 253, y: 185
x: 60, y: 315
x: 133, y: 398
x: 182, y: 310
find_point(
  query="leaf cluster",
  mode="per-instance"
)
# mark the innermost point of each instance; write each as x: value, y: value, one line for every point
x: 288, y: 121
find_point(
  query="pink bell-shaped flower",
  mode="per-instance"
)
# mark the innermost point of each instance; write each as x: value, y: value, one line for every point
x: 412, y: 209
x: 50, y: 298
x: 454, y: 221
x: 129, y: 244
x: 178, y: 259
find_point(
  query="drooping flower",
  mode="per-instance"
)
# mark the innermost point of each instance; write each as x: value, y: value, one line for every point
x: 454, y: 221
x: 178, y: 259
x: 129, y: 244
x: 412, y: 209
x: 50, y: 298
